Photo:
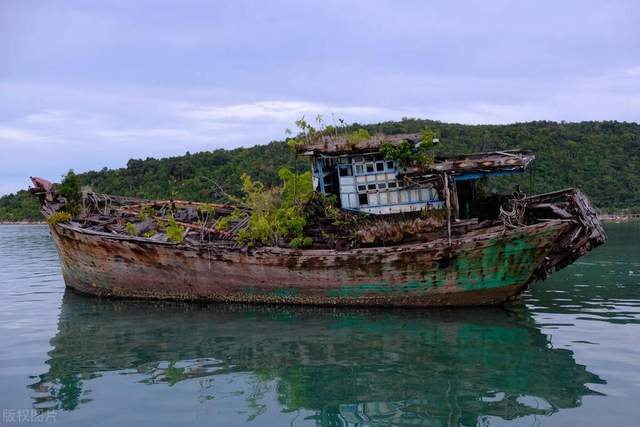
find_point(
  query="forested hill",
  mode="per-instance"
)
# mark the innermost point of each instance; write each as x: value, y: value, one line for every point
x: 601, y: 158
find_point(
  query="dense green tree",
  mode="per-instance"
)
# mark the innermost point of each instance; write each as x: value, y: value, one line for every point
x: 21, y: 206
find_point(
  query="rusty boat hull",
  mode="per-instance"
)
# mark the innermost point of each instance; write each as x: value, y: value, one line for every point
x: 435, y: 241
x: 491, y: 267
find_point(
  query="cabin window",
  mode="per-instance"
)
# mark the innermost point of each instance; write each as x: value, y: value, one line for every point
x: 371, y: 186
x: 362, y: 188
x: 363, y: 199
x: 358, y: 159
x: 384, y: 199
x: 359, y: 169
x: 370, y: 167
x: 382, y: 186
x: 393, y: 184
x: 380, y: 166
x: 346, y: 171
x: 390, y: 164
x: 393, y: 197
x: 344, y: 160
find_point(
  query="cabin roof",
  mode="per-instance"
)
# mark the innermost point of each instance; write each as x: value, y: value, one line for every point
x: 479, y: 164
x: 495, y: 162
x: 340, y: 145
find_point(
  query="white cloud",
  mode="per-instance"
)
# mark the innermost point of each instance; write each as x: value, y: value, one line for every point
x: 486, y: 113
x: 284, y: 111
x: 632, y: 71
x: 143, y: 133
x: 10, y: 134
x: 47, y: 117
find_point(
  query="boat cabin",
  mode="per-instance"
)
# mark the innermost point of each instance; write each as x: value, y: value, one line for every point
x: 361, y: 179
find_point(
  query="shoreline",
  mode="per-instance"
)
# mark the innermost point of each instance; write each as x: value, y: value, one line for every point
x: 23, y: 222
x: 619, y: 218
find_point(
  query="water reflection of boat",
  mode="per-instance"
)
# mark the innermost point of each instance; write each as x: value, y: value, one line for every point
x: 346, y: 366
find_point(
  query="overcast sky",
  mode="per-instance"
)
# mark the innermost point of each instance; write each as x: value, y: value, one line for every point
x: 88, y: 84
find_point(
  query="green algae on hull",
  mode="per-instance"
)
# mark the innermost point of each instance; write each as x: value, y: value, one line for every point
x: 501, y: 263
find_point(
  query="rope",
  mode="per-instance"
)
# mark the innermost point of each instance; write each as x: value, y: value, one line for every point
x: 513, y: 215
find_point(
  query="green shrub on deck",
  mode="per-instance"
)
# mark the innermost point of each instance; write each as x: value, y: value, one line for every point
x: 58, y: 217
x: 276, y: 213
x: 175, y: 232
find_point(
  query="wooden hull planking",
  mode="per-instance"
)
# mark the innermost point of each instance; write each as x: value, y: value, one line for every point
x: 489, y: 268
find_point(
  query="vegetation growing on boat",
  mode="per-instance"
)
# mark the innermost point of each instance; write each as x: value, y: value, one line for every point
x: 58, y: 217
x: 131, y: 229
x: 147, y: 212
x: 308, y: 134
x: 407, y: 155
x: 277, y: 212
x: 280, y: 214
x: 222, y: 224
x: 301, y: 242
x: 358, y: 136
x: 175, y: 232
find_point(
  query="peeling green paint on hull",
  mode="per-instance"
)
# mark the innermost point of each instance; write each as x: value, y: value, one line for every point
x: 502, y: 263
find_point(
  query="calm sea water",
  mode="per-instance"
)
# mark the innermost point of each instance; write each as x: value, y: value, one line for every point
x: 567, y: 354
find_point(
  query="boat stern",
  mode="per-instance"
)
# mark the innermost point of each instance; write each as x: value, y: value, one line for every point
x: 586, y: 233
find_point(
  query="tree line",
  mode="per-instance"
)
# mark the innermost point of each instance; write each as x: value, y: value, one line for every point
x: 600, y: 157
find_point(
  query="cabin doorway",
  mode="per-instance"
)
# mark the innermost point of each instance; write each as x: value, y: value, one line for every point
x: 332, y: 184
x: 467, y: 194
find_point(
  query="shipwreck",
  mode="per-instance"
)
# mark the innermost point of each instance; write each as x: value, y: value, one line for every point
x: 379, y: 231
